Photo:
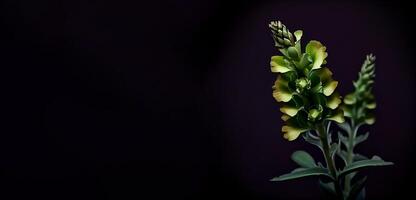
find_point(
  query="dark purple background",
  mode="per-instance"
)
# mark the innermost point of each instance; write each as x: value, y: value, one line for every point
x: 122, y: 100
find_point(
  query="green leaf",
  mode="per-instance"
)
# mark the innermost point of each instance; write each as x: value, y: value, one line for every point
x: 310, y: 138
x: 345, y: 126
x: 334, y: 148
x: 361, y: 196
x: 361, y: 138
x: 299, y: 173
x: 343, y: 139
x: 343, y: 155
x: 373, y: 162
x: 303, y: 159
x: 358, y: 157
x: 328, y: 188
x: 356, y: 189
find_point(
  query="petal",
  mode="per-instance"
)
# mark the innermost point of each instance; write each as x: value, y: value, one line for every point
x: 347, y: 110
x: 338, y: 116
x: 370, y: 119
x: 333, y: 101
x: 278, y: 65
x: 329, y: 87
x: 285, y: 117
x: 317, y: 51
x: 324, y: 74
x: 349, y: 99
x: 291, y: 111
x: 298, y: 34
x: 371, y: 105
x: 291, y: 133
x: 281, y: 90
x: 328, y: 84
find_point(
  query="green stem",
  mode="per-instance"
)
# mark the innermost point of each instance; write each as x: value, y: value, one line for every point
x: 323, y: 135
x: 350, y: 155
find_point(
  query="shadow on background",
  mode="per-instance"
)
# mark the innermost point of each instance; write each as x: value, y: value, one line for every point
x: 122, y: 100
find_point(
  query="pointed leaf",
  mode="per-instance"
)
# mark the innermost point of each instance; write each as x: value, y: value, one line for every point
x: 345, y: 126
x: 343, y: 154
x: 361, y: 138
x: 373, y: 162
x: 315, y: 171
x: 334, y: 148
x: 362, y: 195
x: 310, y: 138
x: 303, y: 159
x: 358, y: 157
x: 328, y: 188
x: 343, y: 139
x: 356, y: 189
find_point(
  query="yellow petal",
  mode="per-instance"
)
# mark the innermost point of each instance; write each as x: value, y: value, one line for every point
x: 291, y: 111
x: 291, y: 133
x: 298, y: 34
x: 285, y: 117
x: 371, y: 105
x: 347, y: 110
x: 338, y: 116
x: 370, y: 120
x: 317, y: 51
x: 281, y: 90
x: 278, y: 65
x: 333, y: 101
x: 349, y: 99
x: 330, y: 87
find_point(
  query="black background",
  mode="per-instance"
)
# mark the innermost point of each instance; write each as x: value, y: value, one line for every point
x: 152, y: 100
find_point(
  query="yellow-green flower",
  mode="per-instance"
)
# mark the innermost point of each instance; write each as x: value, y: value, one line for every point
x: 304, y: 87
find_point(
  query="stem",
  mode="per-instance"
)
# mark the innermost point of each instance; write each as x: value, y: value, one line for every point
x: 350, y: 155
x: 323, y: 135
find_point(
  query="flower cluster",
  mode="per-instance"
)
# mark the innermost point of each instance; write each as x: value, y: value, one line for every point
x: 359, y: 104
x: 304, y: 87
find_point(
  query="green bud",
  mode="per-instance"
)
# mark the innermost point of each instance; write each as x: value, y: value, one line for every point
x: 282, y: 37
x: 313, y: 114
x: 293, y: 53
x: 302, y: 83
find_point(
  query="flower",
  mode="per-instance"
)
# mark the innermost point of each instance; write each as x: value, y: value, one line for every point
x: 304, y: 87
x: 359, y: 104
